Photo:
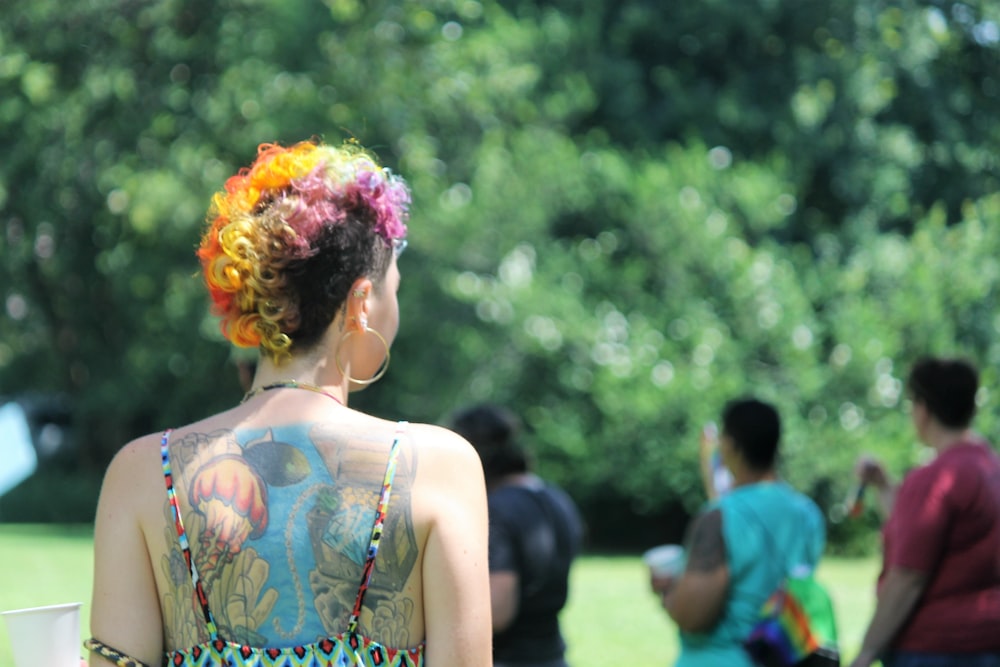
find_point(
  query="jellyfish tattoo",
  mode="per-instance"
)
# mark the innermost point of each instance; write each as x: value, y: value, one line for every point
x: 230, y: 490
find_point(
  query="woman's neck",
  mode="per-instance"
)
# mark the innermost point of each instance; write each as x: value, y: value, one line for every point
x: 744, y: 476
x: 308, y: 369
x: 940, y: 438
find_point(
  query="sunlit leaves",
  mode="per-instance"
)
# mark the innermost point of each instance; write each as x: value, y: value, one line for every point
x: 624, y: 214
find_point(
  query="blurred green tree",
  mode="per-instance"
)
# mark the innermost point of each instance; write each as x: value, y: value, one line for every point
x: 624, y: 214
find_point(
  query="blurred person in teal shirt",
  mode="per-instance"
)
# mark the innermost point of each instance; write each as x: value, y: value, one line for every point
x: 742, y: 544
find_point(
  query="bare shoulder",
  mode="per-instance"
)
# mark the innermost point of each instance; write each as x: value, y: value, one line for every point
x: 448, y: 461
x: 134, y: 462
x: 431, y: 436
x: 132, y: 473
x: 444, y: 446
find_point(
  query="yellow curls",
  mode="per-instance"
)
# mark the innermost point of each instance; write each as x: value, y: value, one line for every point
x: 233, y: 276
x: 276, y: 167
x: 238, y: 251
x: 274, y: 340
x: 242, y: 330
x: 249, y: 294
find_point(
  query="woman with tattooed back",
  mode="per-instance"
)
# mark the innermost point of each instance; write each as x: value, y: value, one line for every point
x: 291, y: 529
x: 742, y: 544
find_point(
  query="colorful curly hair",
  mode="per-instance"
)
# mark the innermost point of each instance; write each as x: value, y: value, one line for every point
x: 291, y: 233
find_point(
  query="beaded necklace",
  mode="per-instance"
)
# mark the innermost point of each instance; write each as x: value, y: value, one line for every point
x: 289, y: 384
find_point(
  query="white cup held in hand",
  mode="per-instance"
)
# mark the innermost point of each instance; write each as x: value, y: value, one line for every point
x: 665, y: 561
x: 45, y: 636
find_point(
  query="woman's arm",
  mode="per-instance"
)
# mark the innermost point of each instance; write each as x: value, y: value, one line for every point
x: 125, y: 610
x: 897, y: 598
x: 455, y: 566
x: 698, y: 598
x: 505, y: 598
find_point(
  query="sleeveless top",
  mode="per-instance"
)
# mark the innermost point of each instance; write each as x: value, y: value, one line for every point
x: 347, y: 648
x: 796, y: 536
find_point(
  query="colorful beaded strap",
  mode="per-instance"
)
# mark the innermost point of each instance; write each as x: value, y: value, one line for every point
x: 383, y: 504
x: 175, y: 508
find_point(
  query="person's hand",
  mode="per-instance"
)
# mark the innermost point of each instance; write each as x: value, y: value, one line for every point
x: 871, y: 471
x: 708, y: 442
x: 662, y: 585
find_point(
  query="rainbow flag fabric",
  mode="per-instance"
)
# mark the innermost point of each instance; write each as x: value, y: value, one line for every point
x: 796, y: 627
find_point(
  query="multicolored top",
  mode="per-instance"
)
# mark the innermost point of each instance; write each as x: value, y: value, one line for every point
x: 347, y: 648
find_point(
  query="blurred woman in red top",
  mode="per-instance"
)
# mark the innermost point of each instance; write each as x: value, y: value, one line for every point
x: 939, y: 590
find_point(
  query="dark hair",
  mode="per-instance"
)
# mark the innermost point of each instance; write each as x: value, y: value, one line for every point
x: 494, y: 433
x: 947, y: 387
x: 755, y: 429
x: 343, y: 253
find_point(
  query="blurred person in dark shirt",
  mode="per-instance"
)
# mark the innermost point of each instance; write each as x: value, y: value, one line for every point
x: 535, y: 533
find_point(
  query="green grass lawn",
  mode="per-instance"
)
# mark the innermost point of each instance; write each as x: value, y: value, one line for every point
x: 612, y: 617
x: 43, y: 565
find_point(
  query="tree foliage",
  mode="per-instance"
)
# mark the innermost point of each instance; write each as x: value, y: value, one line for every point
x: 625, y: 214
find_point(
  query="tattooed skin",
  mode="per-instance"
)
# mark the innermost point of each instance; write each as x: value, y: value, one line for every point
x: 279, y: 521
x: 706, y: 548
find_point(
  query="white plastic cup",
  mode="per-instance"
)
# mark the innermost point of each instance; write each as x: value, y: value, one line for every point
x: 666, y: 560
x: 45, y: 636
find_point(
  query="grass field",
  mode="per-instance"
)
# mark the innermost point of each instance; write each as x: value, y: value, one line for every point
x: 612, y: 617
x: 43, y: 565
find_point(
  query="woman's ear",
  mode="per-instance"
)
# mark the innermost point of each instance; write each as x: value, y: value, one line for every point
x: 357, y: 305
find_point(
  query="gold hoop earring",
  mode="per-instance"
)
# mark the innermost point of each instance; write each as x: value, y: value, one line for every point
x: 378, y: 374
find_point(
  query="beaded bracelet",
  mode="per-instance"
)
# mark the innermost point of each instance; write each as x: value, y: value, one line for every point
x: 114, y: 655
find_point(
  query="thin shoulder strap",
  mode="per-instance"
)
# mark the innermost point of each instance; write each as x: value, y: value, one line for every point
x: 373, y: 544
x: 168, y: 477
